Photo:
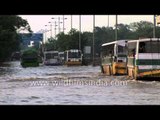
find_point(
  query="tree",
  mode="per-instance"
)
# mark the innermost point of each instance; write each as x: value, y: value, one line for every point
x: 104, y: 35
x: 51, y: 44
x: 62, y: 42
x: 73, y: 39
x: 123, y: 32
x: 142, y: 29
x: 9, y: 40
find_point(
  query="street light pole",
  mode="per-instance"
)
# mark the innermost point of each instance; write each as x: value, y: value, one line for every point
x: 55, y: 29
x: 45, y: 39
x: 93, y: 38
x: 58, y: 23
x: 116, y: 28
x: 63, y: 22
x: 108, y: 20
x: 50, y: 28
x: 71, y: 22
x: 45, y: 36
x: 79, y: 32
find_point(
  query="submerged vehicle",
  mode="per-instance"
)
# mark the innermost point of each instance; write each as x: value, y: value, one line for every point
x: 144, y: 58
x: 114, y: 58
x: 51, y: 58
x: 73, y: 57
x: 30, y: 58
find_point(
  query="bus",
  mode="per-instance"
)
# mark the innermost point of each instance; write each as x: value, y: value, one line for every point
x: 51, y: 58
x: 61, y: 56
x: 143, y: 58
x: 114, y: 58
x: 29, y: 58
x: 73, y: 57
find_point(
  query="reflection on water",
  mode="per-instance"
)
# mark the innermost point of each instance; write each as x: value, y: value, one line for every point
x: 72, y: 85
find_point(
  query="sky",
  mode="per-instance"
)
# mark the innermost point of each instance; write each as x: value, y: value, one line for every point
x: 38, y: 22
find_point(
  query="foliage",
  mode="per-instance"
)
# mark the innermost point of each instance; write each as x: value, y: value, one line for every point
x: 142, y: 29
x: 135, y: 30
x: 9, y: 40
x: 30, y: 51
x: 51, y: 44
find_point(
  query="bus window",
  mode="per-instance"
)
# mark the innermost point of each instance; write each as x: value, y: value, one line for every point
x: 152, y: 47
x: 121, y: 49
x: 141, y: 47
x: 48, y: 56
x: 108, y: 50
x: 111, y: 53
x: 132, y: 49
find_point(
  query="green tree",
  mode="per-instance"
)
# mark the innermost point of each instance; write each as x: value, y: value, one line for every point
x: 157, y: 33
x: 10, y: 25
x: 73, y: 39
x: 124, y: 32
x: 62, y: 42
x: 51, y: 44
x: 134, y: 30
x: 142, y: 29
x: 103, y: 35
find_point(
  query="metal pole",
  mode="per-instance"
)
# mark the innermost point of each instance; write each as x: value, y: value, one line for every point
x: 71, y: 22
x: 154, y: 28
x: 116, y: 29
x: 45, y: 36
x: 59, y: 23
x: 51, y: 30
x: 43, y: 42
x: 79, y: 32
x: 93, y: 37
x: 55, y: 29
x: 108, y: 20
x: 63, y: 23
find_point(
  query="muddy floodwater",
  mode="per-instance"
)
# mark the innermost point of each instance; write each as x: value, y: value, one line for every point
x: 77, y: 85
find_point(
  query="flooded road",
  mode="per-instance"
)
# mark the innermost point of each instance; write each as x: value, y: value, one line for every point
x: 62, y: 85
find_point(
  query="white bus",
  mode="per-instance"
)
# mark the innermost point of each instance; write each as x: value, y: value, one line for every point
x: 51, y: 58
x: 114, y: 58
x: 61, y: 56
x: 73, y: 57
x: 144, y: 58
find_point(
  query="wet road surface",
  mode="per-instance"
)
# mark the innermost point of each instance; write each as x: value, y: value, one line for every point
x: 77, y: 85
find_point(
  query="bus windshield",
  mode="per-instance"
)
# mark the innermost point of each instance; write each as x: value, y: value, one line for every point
x: 48, y: 56
x: 108, y: 50
x: 51, y: 55
x: 74, y: 54
x: 121, y: 49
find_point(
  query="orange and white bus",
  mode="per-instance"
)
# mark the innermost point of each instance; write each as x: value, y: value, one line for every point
x: 114, y: 58
x: 73, y: 57
x: 143, y: 58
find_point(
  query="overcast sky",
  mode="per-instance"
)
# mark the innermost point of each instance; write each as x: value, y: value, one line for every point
x: 38, y: 22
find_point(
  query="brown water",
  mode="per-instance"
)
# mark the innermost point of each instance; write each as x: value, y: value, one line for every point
x: 62, y: 85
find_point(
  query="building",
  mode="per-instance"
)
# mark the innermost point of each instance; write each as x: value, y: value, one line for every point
x: 30, y: 39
